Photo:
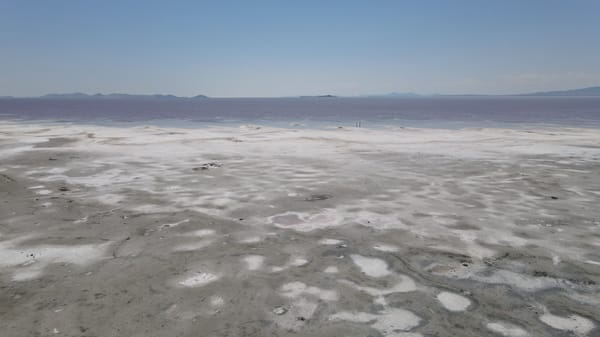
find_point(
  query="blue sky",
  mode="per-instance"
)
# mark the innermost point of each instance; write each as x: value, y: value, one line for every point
x: 282, y: 48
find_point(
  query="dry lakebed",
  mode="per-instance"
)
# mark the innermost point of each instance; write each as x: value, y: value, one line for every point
x: 260, y: 231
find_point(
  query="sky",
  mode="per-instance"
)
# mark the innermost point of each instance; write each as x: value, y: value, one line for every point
x: 266, y: 48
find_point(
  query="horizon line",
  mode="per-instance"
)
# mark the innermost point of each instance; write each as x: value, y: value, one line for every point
x: 78, y: 94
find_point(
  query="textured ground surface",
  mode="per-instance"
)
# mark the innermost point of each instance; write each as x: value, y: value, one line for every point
x: 274, y: 232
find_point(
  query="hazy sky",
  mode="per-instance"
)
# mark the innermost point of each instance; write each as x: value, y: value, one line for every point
x: 281, y: 48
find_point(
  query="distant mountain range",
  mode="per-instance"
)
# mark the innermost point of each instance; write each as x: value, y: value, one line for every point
x: 591, y: 91
x: 320, y: 96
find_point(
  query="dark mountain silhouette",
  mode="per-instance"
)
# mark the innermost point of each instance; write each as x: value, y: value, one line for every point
x: 591, y: 91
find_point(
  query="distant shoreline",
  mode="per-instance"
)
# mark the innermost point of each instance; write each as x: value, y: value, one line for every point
x: 581, y: 92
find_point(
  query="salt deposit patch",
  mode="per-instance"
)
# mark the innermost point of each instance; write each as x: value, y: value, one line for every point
x: 396, y: 319
x: 79, y: 254
x: 43, y: 192
x: 33, y: 259
x: 473, y: 248
x: 520, y: 281
x: 222, y: 202
x: 371, y: 266
x: 387, y: 322
x: 592, y: 262
x: 304, y: 222
x: 82, y: 220
x: 253, y: 262
x: 296, y: 289
x: 358, y: 317
x: 385, y: 248
x: 297, y: 261
x: 199, y: 279
x: 525, y: 282
x: 174, y: 224
x: 506, y: 329
x: 331, y: 270
x: 26, y: 274
x: 57, y: 170
x: 556, y: 260
x: 330, y: 242
x: 580, y: 326
x: 302, y: 306
x: 403, y: 285
x: 217, y: 301
x: 251, y: 239
x: 378, y: 221
x: 152, y: 209
x: 294, y: 261
x: 453, y: 302
x: 203, y: 232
